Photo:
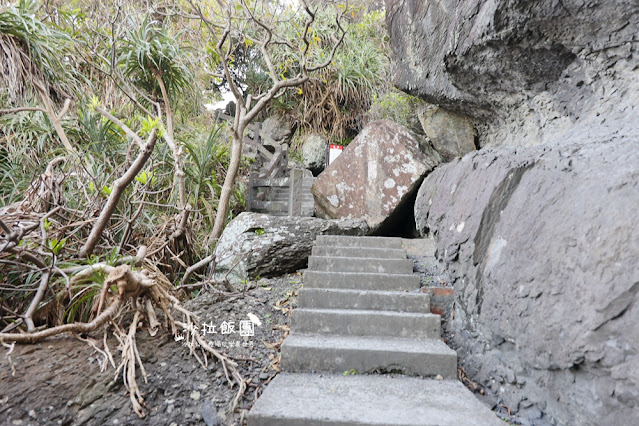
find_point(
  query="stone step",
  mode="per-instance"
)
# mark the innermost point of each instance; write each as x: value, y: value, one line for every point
x: 346, y: 241
x: 270, y: 205
x: 358, y: 252
x: 351, y: 264
x: 320, y: 298
x: 353, y: 322
x: 313, y: 400
x: 367, y: 354
x: 360, y: 281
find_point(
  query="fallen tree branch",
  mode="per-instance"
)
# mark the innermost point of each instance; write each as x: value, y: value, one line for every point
x: 191, y: 269
x: 118, y: 188
x: 56, y: 119
x: 129, y: 284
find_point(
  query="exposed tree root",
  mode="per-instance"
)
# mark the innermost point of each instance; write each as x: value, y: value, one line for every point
x: 138, y: 292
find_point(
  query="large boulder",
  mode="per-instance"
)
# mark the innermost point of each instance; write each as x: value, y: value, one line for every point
x: 278, y: 128
x: 543, y: 245
x: 530, y: 72
x: 451, y: 134
x: 375, y: 174
x: 540, y: 235
x: 258, y: 245
x: 314, y: 152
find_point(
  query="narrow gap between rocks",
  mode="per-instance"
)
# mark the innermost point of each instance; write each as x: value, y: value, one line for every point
x: 402, y: 222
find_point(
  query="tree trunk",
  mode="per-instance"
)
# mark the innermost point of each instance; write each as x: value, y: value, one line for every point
x: 227, y: 188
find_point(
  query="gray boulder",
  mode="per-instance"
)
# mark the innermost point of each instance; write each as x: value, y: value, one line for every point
x: 540, y: 235
x: 543, y: 244
x: 528, y: 72
x: 278, y: 128
x: 314, y: 152
x: 375, y: 176
x: 255, y: 244
x: 451, y: 134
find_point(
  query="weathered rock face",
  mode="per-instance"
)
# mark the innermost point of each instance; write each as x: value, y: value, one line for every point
x: 529, y: 72
x: 256, y: 244
x: 314, y: 152
x: 452, y: 135
x: 278, y: 128
x: 381, y: 168
x: 543, y: 246
x: 540, y: 233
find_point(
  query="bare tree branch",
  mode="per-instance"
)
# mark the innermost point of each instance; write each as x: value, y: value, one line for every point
x: 118, y: 188
x: 42, y: 288
x: 56, y: 119
x: 17, y: 110
x: 138, y: 140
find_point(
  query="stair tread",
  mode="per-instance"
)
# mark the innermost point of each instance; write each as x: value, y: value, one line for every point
x: 368, y: 399
x: 377, y: 292
x: 366, y: 312
x: 369, y: 343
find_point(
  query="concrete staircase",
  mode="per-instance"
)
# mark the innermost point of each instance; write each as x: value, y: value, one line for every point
x: 362, y: 322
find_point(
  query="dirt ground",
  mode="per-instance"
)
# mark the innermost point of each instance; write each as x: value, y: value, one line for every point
x: 58, y: 382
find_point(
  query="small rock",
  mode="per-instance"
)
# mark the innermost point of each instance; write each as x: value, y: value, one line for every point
x: 195, y: 395
x: 209, y: 414
x: 314, y: 152
x: 278, y: 128
x: 264, y: 376
x: 451, y: 134
x: 439, y: 377
x: 32, y: 414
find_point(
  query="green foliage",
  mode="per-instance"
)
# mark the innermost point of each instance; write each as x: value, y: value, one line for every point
x: 148, y: 124
x: 395, y: 106
x: 97, y: 135
x: 145, y: 178
x: 79, y: 307
x: 26, y: 139
x: 99, y: 54
x: 152, y: 51
x: 56, y: 245
x: 207, y: 156
x: 30, y: 48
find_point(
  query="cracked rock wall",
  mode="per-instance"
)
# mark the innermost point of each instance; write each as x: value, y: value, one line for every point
x: 528, y: 72
x: 539, y: 228
x: 542, y: 248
